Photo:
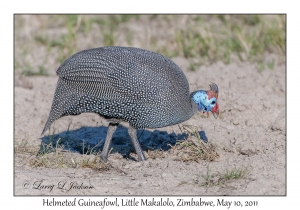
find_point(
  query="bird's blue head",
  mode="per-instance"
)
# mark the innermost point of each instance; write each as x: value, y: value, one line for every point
x: 207, y: 100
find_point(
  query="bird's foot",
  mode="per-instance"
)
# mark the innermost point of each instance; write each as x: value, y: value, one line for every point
x: 103, y: 157
x: 141, y: 157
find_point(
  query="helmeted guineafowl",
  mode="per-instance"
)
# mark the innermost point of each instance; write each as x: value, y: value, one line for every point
x: 138, y: 86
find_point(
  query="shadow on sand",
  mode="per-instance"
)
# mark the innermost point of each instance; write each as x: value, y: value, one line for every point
x: 89, y: 140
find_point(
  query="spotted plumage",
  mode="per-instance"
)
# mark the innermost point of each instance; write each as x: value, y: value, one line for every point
x: 141, y: 87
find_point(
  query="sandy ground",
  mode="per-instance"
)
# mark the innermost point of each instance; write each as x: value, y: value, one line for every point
x: 250, y: 133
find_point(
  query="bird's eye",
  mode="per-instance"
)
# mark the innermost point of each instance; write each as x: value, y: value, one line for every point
x: 213, y: 102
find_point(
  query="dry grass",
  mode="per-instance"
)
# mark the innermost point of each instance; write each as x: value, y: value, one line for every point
x: 217, y: 179
x: 55, y: 156
x: 193, y: 148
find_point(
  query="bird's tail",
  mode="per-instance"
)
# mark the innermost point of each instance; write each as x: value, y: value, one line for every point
x: 60, y: 104
x: 47, y: 125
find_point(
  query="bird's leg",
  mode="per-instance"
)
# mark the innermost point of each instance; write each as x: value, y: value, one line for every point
x: 132, y: 133
x: 111, y: 129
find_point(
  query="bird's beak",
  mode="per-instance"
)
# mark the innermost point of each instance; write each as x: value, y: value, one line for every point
x: 214, y: 88
x: 216, y: 114
x: 215, y: 111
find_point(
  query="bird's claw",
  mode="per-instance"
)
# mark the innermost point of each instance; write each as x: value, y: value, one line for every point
x: 103, y: 158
